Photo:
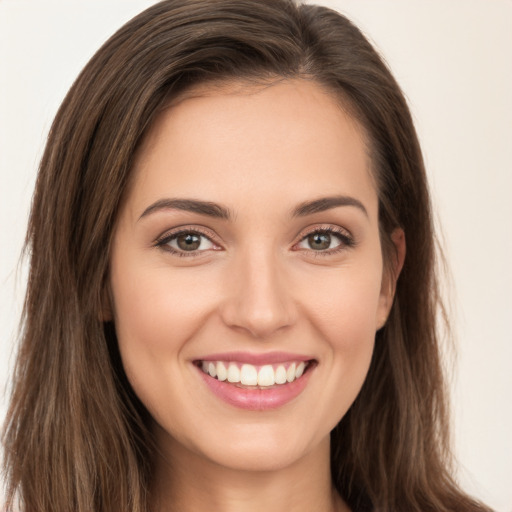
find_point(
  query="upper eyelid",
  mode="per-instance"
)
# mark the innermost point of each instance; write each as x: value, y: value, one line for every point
x: 214, y: 238
x: 200, y: 230
x: 163, y: 242
x: 331, y: 228
x: 345, y: 237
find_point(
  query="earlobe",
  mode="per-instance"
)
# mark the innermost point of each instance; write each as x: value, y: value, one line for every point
x: 391, y: 273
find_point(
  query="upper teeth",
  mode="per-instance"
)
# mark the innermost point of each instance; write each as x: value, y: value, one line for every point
x: 250, y: 375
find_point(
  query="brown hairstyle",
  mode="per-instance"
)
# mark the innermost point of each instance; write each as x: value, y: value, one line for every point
x: 76, y: 437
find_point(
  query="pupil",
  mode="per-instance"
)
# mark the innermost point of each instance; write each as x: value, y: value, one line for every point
x: 319, y: 241
x: 189, y: 242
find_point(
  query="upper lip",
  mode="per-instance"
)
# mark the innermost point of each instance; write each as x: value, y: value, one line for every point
x: 256, y: 359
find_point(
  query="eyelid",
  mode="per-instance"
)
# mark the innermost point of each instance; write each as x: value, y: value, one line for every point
x: 345, y: 236
x: 162, y: 240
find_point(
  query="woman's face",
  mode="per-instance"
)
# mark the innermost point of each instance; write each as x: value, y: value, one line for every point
x: 248, y: 248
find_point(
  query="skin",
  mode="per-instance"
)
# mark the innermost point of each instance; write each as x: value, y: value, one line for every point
x: 255, y: 285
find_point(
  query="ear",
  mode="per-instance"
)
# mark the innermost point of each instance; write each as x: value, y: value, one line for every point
x: 390, y: 275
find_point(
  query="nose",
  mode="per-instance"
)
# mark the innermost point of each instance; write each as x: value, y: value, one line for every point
x: 259, y: 300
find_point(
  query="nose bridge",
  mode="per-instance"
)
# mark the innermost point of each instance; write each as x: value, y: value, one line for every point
x: 259, y: 301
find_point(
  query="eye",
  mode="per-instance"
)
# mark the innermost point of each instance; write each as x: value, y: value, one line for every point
x: 325, y: 240
x: 184, y: 242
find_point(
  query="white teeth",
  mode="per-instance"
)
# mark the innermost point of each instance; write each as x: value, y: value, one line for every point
x: 248, y: 375
x: 266, y: 376
x: 233, y: 373
x: 280, y: 376
x: 222, y: 373
x: 290, y: 373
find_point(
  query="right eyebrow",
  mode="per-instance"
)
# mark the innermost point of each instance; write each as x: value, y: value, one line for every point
x: 188, y: 205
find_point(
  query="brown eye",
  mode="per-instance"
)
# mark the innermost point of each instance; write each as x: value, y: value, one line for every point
x: 325, y: 241
x: 319, y: 241
x: 188, y: 241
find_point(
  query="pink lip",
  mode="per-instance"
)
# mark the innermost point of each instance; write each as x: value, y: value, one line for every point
x: 256, y: 359
x: 256, y: 399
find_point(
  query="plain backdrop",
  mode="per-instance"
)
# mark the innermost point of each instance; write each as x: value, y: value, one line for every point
x: 453, y: 59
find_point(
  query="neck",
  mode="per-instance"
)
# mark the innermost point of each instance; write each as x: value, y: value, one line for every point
x: 187, y: 482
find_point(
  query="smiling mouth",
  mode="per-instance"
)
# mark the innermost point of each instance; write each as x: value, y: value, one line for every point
x: 250, y: 376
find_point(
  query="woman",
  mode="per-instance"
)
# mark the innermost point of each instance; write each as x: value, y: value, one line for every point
x: 232, y: 295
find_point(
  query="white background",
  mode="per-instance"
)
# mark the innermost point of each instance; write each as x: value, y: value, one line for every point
x: 453, y: 59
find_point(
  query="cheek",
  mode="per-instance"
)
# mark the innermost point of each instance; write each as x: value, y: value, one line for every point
x: 156, y: 306
x: 156, y: 313
x: 343, y: 303
x: 342, y: 309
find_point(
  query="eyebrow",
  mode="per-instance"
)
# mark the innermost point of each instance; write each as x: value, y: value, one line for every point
x: 220, y: 212
x: 327, y: 203
x: 188, y: 205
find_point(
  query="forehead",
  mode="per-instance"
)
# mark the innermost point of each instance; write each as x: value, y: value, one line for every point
x: 287, y: 139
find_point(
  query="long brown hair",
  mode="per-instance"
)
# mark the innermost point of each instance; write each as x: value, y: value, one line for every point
x: 76, y: 437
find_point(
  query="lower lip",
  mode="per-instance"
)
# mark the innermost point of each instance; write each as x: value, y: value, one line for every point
x: 257, y: 399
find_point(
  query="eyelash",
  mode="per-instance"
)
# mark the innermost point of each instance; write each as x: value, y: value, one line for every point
x: 346, y: 241
x: 163, y: 241
x: 345, y: 238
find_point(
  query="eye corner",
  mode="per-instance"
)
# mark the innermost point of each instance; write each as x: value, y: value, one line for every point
x: 201, y: 242
x: 345, y: 240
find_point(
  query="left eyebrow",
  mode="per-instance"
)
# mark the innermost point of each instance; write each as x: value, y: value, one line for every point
x: 327, y: 203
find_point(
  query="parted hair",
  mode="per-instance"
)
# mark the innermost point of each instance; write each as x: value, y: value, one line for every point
x: 76, y: 438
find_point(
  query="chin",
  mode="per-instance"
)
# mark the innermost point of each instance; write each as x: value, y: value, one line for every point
x: 258, y: 447
x: 264, y: 457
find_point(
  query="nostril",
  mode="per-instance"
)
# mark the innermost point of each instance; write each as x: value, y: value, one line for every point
x: 258, y: 301
x: 260, y: 322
